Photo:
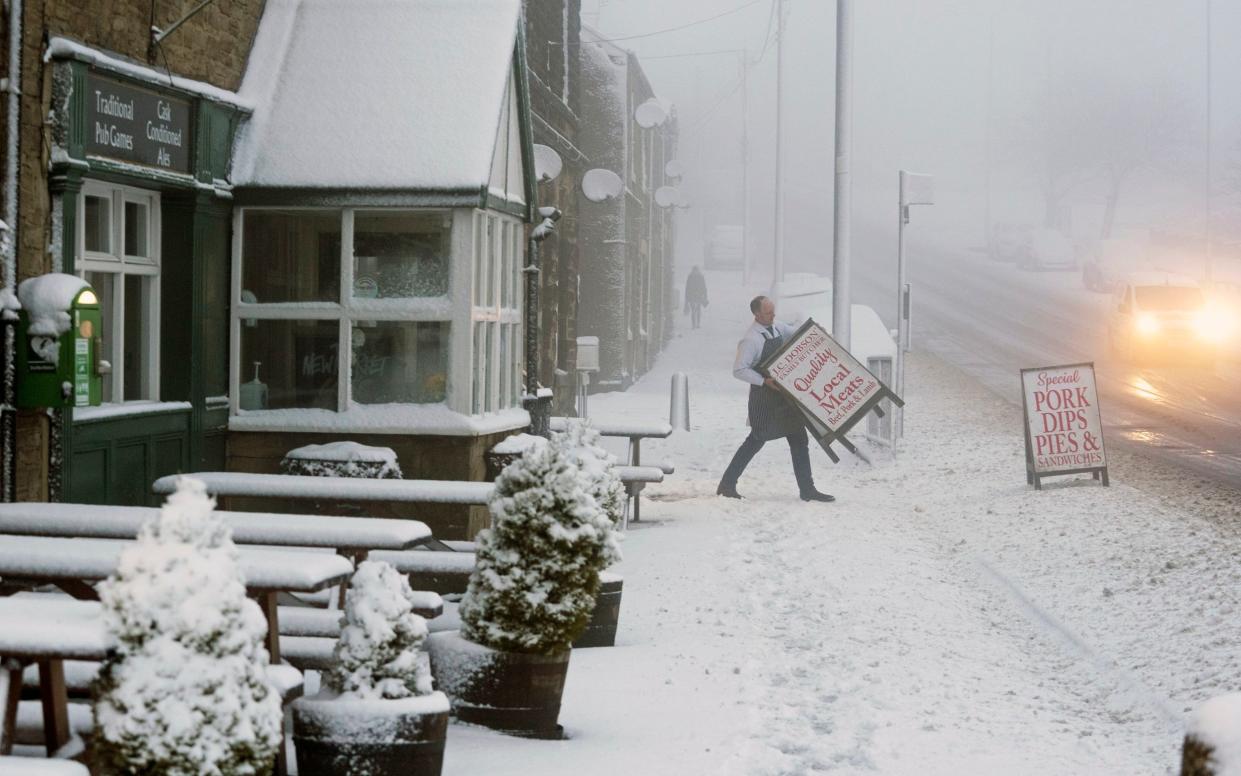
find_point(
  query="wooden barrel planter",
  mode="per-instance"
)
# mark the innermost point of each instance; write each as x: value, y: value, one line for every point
x: 512, y: 692
x: 601, y: 631
x: 338, y: 737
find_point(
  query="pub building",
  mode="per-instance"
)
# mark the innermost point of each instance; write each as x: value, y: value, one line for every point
x: 139, y: 207
x: 381, y: 190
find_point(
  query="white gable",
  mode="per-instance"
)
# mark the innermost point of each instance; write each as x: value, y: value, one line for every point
x: 376, y: 94
x: 506, y: 168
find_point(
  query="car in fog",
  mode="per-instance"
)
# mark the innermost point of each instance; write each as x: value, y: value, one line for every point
x: 1163, y: 316
x: 1048, y: 249
x: 1010, y: 242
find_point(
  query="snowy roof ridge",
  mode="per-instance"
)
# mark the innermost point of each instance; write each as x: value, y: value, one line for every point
x: 60, y: 47
x: 376, y: 94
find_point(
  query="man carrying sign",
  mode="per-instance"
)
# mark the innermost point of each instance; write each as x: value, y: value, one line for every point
x: 772, y: 416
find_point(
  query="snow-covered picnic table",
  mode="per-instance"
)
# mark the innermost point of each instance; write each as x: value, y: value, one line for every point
x: 635, y: 432
x: 349, y: 488
x: 351, y: 536
x: 74, y: 565
x: 46, y: 630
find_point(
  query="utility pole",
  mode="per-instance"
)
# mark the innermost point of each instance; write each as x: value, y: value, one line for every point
x: 986, y: 221
x: 745, y: 167
x: 777, y: 268
x: 841, y: 298
x: 1208, y: 258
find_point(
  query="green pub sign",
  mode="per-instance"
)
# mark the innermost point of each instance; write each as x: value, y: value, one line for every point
x: 131, y: 124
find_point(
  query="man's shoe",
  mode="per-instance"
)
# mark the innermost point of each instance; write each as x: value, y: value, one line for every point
x: 814, y: 495
x: 727, y: 491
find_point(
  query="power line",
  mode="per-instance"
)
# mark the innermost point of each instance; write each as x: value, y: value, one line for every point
x: 683, y: 26
x: 767, y: 35
x: 694, y: 54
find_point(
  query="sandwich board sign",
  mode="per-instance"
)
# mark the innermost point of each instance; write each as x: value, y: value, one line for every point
x: 1063, y: 428
x: 833, y: 390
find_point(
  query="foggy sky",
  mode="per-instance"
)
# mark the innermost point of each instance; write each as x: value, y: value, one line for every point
x: 1071, y: 83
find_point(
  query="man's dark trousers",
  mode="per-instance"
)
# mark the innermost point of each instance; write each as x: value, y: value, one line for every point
x: 799, y: 448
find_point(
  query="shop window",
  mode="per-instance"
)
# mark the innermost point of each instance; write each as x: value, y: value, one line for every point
x: 400, y: 255
x: 291, y: 255
x: 497, y: 314
x: 125, y: 275
x: 306, y: 343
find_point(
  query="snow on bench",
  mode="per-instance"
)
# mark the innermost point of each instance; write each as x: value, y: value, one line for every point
x: 620, y: 428
x: 445, y: 572
x: 350, y: 535
x: 309, y: 621
x: 44, y: 626
x: 38, y: 766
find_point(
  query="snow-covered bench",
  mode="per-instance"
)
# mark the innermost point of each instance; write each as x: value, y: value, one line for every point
x: 30, y: 766
x: 74, y: 565
x: 635, y: 432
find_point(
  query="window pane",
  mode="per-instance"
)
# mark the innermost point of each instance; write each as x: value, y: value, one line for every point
x: 480, y: 252
x: 291, y: 256
x: 102, y: 283
x: 289, y: 364
x: 400, y: 362
x: 489, y: 401
x: 136, y: 229
x: 400, y: 255
x: 98, y: 220
x: 480, y: 368
x: 136, y: 330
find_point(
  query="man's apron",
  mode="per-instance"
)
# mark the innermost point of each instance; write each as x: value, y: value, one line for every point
x: 772, y: 415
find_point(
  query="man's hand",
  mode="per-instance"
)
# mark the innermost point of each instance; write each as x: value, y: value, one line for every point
x: 770, y: 383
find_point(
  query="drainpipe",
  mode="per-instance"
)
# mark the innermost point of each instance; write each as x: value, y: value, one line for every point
x: 8, y: 412
x: 540, y: 408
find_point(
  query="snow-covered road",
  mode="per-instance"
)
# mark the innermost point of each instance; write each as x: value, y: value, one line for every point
x: 939, y: 618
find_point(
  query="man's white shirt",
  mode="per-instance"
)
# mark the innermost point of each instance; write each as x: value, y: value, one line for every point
x: 750, y: 349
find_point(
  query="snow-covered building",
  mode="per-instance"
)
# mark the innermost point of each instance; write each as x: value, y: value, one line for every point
x: 382, y: 187
x: 625, y: 242
x: 116, y: 167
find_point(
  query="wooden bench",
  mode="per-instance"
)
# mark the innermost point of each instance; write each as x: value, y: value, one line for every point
x: 75, y: 565
x: 635, y: 432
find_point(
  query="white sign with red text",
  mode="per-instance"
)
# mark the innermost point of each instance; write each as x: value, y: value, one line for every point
x: 1064, y: 432
x: 824, y: 378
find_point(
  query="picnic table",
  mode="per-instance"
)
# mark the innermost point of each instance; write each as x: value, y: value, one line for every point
x: 46, y: 630
x: 413, y: 491
x: 352, y: 537
x: 50, y: 629
x: 635, y: 432
x: 74, y: 565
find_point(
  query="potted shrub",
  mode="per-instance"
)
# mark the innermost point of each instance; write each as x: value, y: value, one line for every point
x: 377, y: 713
x: 531, y: 593
x: 184, y: 690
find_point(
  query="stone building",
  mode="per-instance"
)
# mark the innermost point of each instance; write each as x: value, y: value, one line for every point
x: 122, y: 154
x: 625, y: 242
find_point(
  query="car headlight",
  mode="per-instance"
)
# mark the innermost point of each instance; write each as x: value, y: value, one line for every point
x: 1147, y: 324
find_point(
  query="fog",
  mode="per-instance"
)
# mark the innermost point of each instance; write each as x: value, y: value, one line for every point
x: 1057, y: 108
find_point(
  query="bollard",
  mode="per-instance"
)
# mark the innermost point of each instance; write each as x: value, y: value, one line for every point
x: 678, y: 409
x: 1213, y: 738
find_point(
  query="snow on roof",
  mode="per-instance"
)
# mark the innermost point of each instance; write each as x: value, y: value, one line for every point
x: 64, y: 48
x: 376, y: 94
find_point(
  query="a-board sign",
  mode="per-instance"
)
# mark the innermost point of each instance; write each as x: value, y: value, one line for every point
x: 1063, y: 427
x: 832, y: 388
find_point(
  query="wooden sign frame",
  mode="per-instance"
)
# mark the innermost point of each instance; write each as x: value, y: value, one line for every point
x: 824, y: 435
x: 1033, y: 476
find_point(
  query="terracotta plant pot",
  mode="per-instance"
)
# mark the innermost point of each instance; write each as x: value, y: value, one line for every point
x: 601, y: 631
x: 512, y: 692
x: 339, y: 737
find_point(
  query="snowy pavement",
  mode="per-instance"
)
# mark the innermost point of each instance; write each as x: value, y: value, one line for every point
x: 939, y: 618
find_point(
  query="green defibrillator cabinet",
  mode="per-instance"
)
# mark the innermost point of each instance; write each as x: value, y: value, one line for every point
x: 59, y: 341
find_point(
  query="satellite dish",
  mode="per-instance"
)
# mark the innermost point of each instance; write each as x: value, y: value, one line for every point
x: 547, y: 163
x: 650, y: 114
x: 674, y: 168
x: 600, y: 185
x: 667, y: 196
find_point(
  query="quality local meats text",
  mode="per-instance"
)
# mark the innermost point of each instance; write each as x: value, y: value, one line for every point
x: 824, y: 378
x: 1064, y: 421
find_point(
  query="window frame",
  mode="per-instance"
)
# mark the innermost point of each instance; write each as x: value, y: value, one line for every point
x: 117, y: 264
x: 496, y: 315
x: 467, y: 283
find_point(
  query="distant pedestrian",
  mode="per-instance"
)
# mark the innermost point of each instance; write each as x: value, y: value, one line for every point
x: 695, y: 296
x: 772, y: 415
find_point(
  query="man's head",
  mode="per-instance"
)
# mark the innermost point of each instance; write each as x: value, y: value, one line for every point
x: 764, y: 310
